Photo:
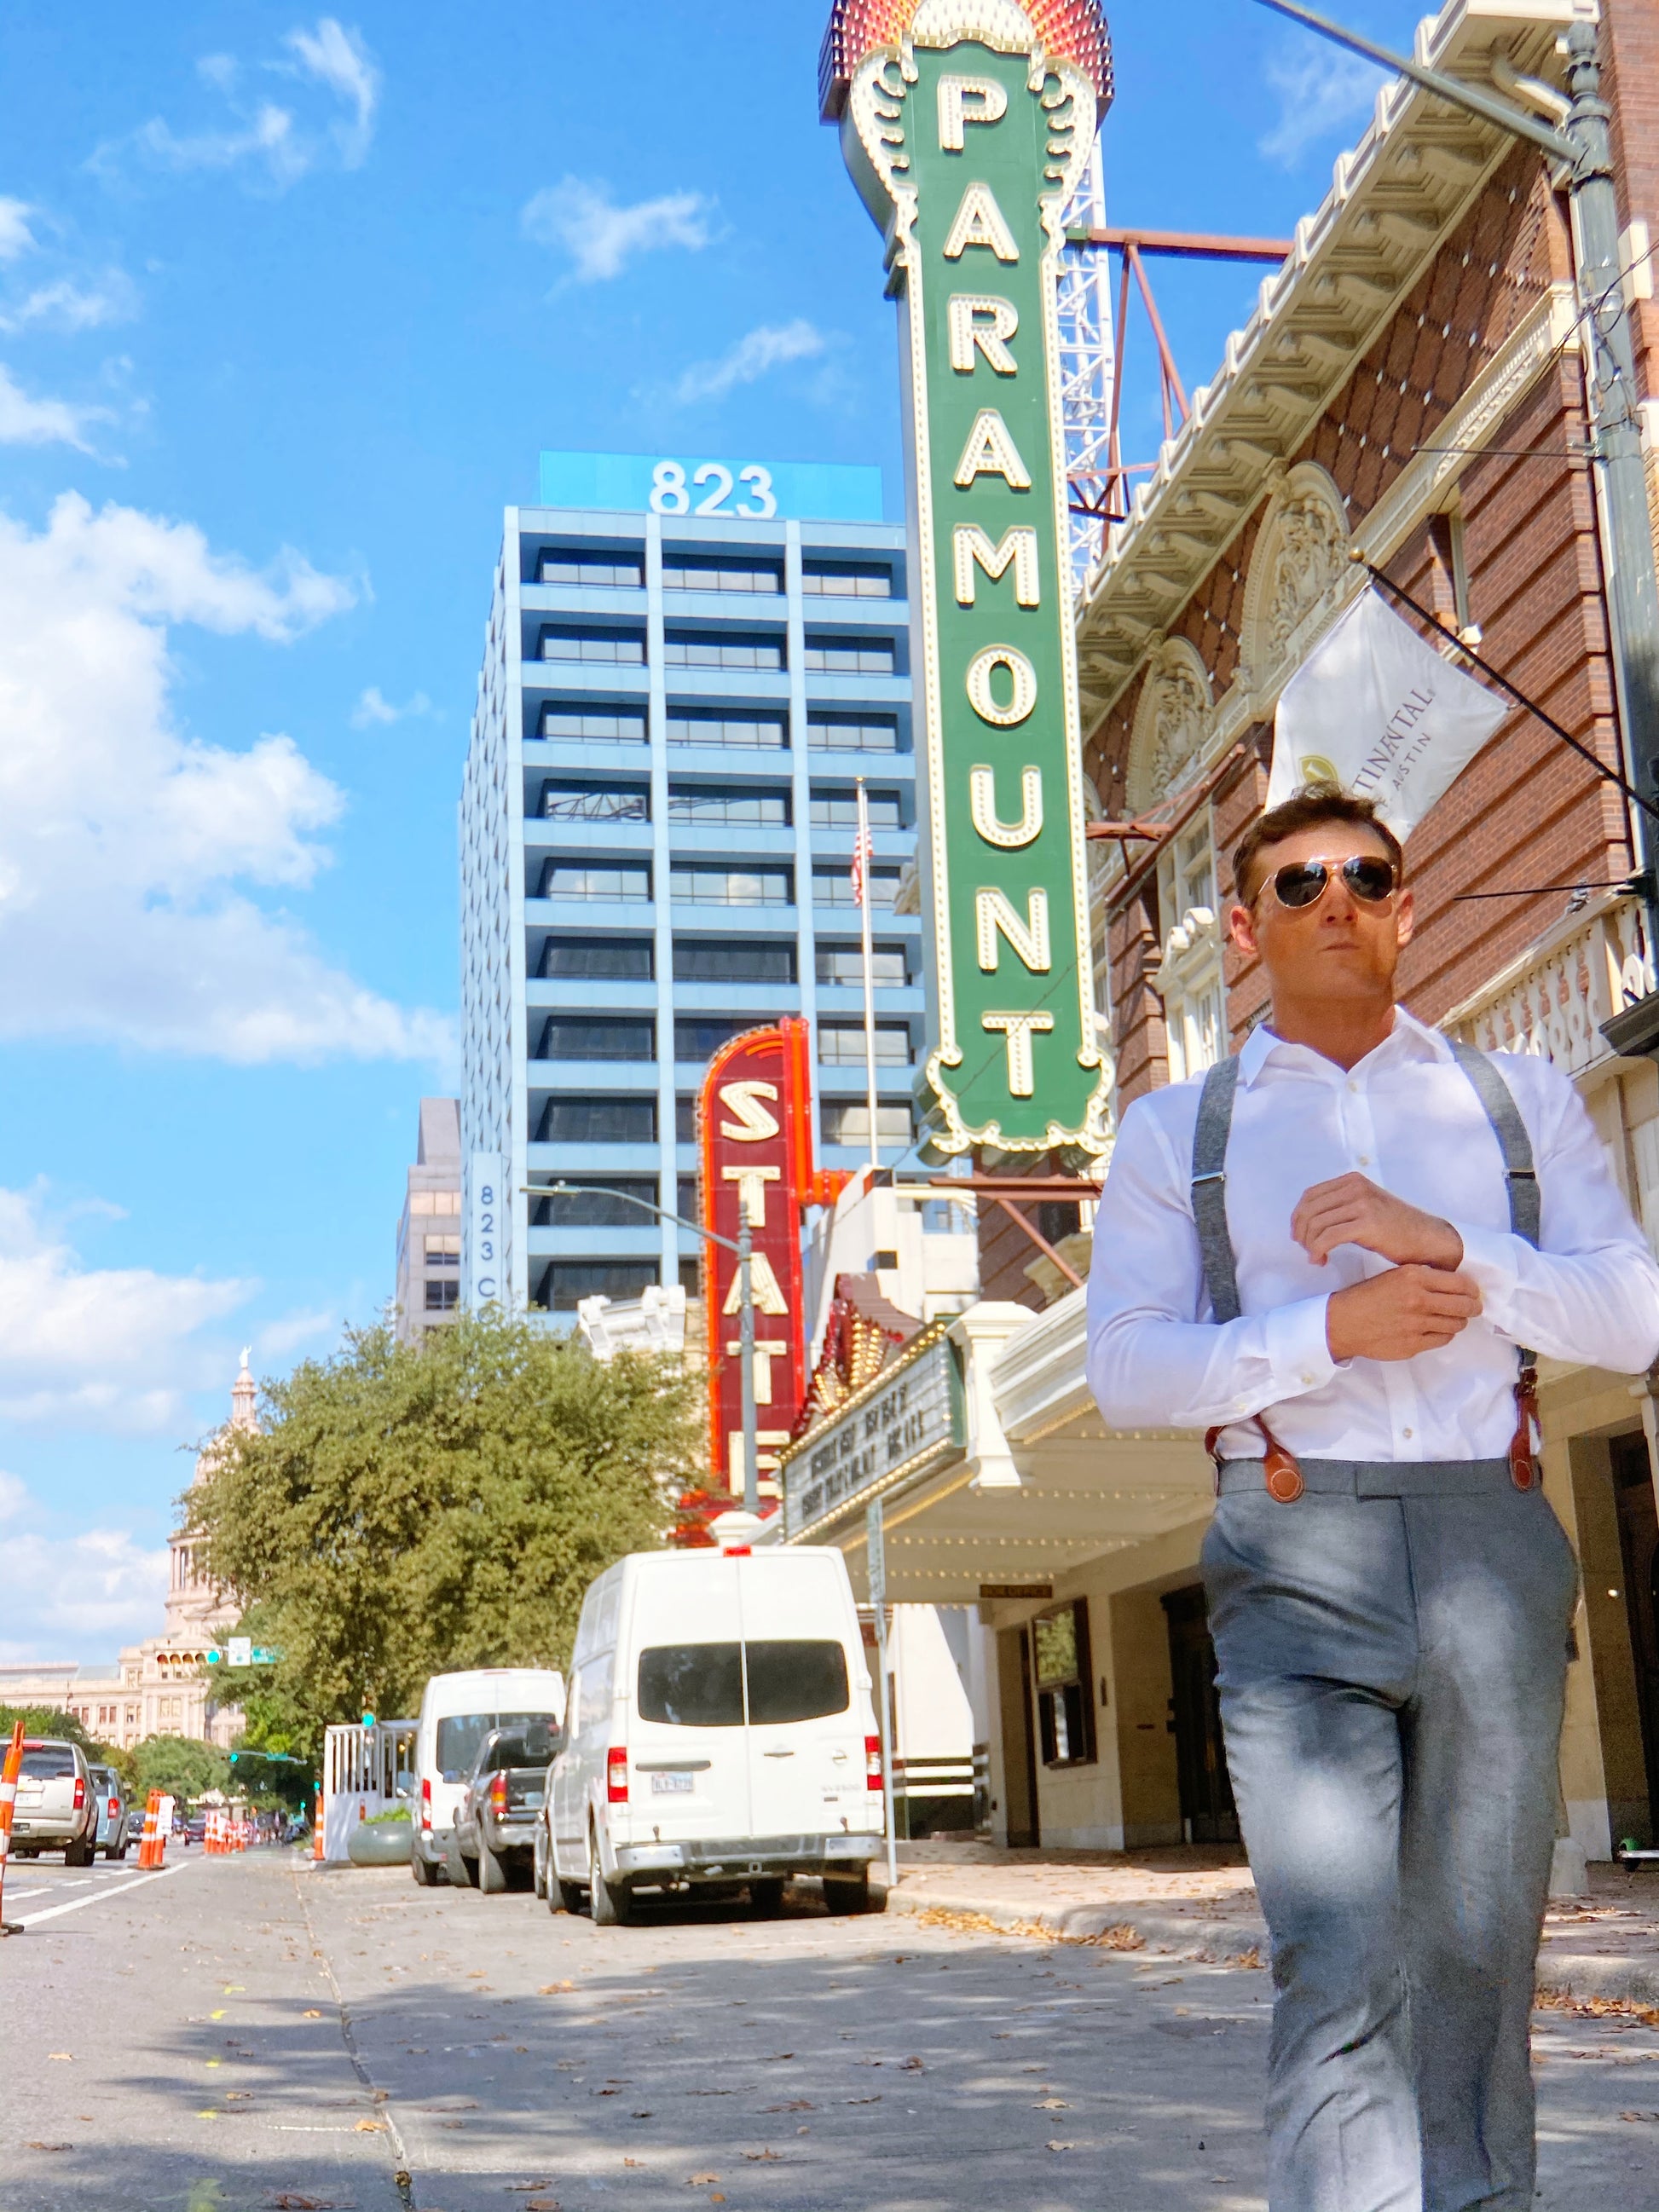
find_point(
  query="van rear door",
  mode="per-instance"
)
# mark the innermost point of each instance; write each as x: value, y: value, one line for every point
x: 689, y: 1775
x: 806, y: 1717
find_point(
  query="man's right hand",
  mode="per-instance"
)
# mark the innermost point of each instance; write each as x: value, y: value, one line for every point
x: 1397, y: 1315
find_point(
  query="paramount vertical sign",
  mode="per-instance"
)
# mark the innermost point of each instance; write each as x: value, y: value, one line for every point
x: 966, y: 125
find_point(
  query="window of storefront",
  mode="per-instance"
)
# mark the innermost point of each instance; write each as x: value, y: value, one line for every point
x: 1066, y: 1711
x: 1189, y: 979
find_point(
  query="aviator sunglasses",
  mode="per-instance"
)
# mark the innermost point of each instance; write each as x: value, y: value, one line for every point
x: 1302, y: 883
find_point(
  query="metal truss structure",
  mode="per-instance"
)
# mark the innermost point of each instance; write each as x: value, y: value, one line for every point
x: 1087, y: 370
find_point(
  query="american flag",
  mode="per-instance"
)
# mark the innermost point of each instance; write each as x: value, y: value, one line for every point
x: 861, y: 850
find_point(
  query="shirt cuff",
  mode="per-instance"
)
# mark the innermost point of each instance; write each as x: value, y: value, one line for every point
x: 1492, y: 1261
x: 1297, y: 1354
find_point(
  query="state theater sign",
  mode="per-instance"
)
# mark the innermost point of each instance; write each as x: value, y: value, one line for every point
x: 966, y: 125
x: 755, y: 1140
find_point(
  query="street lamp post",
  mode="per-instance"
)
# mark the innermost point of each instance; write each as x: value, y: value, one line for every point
x: 743, y: 1245
x: 1584, y: 146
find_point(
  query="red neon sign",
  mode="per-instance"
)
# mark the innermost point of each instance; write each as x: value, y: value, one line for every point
x: 754, y: 1132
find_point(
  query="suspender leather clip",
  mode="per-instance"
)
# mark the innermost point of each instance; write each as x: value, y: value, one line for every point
x: 1524, y: 1470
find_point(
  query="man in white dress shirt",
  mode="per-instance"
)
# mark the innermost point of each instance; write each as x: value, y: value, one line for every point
x: 1347, y: 1287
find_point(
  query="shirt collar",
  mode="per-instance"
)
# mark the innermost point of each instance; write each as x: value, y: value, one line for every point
x: 1409, y: 1039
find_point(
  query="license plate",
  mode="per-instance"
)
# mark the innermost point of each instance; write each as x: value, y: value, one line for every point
x: 671, y: 1785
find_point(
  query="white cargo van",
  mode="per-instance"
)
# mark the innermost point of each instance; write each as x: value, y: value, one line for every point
x: 720, y: 1731
x: 458, y: 1712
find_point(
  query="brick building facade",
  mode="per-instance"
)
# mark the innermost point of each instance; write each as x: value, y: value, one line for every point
x: 1410, y: 391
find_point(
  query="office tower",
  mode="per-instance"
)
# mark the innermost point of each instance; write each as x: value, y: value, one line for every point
x: 429, y: 1227
x: 687, y: 668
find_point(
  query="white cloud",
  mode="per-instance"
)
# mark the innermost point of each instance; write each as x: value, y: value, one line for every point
x: 602, y: 238
x: 373, y: 708
x: 271, y: 144
x: 96, y: 1347
x: 65, y: 305
x: 98, y: 1588
x: 338, y: 58
x: 13, y: 1496
x: 285, y: 1335
x: 126, y: 842
x: 1320, y: 93
x: 27, y: 422
x: 761, y: 349
x: 15, y: 236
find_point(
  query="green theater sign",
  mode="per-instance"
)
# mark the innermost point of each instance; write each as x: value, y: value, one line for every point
x: 966, y: 136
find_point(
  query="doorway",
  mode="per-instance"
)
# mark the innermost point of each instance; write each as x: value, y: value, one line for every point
x: 1207, y: 1812
x: 1638, y: 1543
x: 1019, y: 1783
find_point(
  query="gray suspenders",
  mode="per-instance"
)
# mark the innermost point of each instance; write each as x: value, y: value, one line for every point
x: 1215, y: 1244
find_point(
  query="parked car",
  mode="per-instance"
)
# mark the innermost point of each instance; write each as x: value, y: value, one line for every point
x: 458, y: 1712
x: 57, y: 1806
x: 195, y: 1828
x: 112, y: 1812
x: 720, y: 1731
x: 493, y: 1838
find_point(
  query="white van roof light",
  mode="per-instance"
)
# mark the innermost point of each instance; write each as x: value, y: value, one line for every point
x: 735, y: 1532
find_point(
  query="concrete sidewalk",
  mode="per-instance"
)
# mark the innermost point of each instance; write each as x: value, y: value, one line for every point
x: 1202, y: 1903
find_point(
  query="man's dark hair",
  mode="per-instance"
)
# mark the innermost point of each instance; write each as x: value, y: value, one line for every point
x: 1313, y: 804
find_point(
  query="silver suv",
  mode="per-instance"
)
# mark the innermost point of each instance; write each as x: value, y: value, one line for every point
x: 57, y: 1806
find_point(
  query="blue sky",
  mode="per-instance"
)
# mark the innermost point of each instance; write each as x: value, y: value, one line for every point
x: 289, y: 305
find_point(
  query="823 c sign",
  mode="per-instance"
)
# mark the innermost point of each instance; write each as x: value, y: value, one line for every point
x: 671, y: 495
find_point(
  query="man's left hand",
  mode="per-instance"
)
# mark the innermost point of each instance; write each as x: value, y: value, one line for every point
x: 1352, y: 1210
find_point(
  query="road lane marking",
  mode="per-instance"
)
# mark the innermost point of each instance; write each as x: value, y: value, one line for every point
x: 115, y: 1889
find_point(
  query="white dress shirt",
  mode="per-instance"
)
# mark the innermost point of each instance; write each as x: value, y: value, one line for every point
x: 1407, y: 1117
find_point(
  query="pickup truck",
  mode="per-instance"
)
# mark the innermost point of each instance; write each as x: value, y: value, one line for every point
x: 57, y: 1806
x: 494, y: 1838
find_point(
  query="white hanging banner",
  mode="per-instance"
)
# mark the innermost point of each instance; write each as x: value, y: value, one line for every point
x: 1376, y: 709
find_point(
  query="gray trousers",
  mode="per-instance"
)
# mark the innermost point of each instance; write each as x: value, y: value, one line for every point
x: 1392, y: 1670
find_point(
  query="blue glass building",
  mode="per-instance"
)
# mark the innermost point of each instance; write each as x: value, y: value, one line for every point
x: 679, y: 690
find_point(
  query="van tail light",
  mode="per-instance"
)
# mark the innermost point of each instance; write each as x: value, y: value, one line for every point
x: 616, y: 1776
x: 80, y: 1792
x: 426, y: 1806
x: 872, y: 1762
x: 498, y: 1797
x: 114, y: 1807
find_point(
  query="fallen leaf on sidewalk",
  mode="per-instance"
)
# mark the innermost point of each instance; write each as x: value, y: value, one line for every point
x: 1062, y: 2146
x: 553, y: 1988
x: 60, y: 2054
x: 777, y: 2057
x: 46, y: 2146
x: 911, y: 2066
x: 526, y: 2188
x: 1639, y: 2116
x: 291, y: 2200
x: 700, y: 2180
x: 542, y: 2204
x: 369, y: 2128
x: 763, y: 2157
x: 1051, y: 2105
x: 860, y: 2100
x: 311, y: 2015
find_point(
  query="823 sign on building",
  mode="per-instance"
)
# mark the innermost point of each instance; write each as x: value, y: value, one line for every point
x: 966, y: 134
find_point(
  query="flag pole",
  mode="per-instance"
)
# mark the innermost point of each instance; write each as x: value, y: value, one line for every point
x: 861, y: 872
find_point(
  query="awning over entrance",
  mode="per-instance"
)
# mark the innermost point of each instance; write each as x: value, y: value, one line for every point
x: 994, y: 1469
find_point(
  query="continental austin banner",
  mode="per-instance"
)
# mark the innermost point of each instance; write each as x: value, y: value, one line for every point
x: 966, y: 125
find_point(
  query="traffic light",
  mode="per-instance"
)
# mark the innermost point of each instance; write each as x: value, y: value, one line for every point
x: 369, y: 1720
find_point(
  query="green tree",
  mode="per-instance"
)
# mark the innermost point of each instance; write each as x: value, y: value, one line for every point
x: 411, y: 1508
x: 58, y: 1727
x: 180, y: 1765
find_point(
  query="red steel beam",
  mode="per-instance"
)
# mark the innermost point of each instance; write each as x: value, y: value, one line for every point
x: 1186, y: 244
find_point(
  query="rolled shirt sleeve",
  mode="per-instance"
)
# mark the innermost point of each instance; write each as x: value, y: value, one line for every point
x: 1589, y: 1292
x: 1156, y: 1358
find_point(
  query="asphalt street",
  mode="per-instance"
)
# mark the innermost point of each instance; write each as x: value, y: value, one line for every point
x: 238, y: 2034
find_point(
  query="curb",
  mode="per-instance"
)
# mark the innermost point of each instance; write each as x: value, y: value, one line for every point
x: 1561, y: 1973
x: 1187, y: 1934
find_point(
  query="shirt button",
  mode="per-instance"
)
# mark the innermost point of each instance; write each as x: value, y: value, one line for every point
x: 1364, y: 1159
x: 1352, y: 1085
x: 1405, y: 1432
x: 1307, y: 1384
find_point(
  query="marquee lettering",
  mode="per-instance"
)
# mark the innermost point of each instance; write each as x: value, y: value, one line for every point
x: 990, y: 452
x: 1017, y: 1030
x: 990, y: 106
x: 980, y: 222
x: 1028, y: 937
x: 973, y: 549
x: 982, y: 799
x: 971, y: 335
x: 984, y: 700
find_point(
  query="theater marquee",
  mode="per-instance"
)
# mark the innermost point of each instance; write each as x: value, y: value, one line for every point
x: 966, y: 125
